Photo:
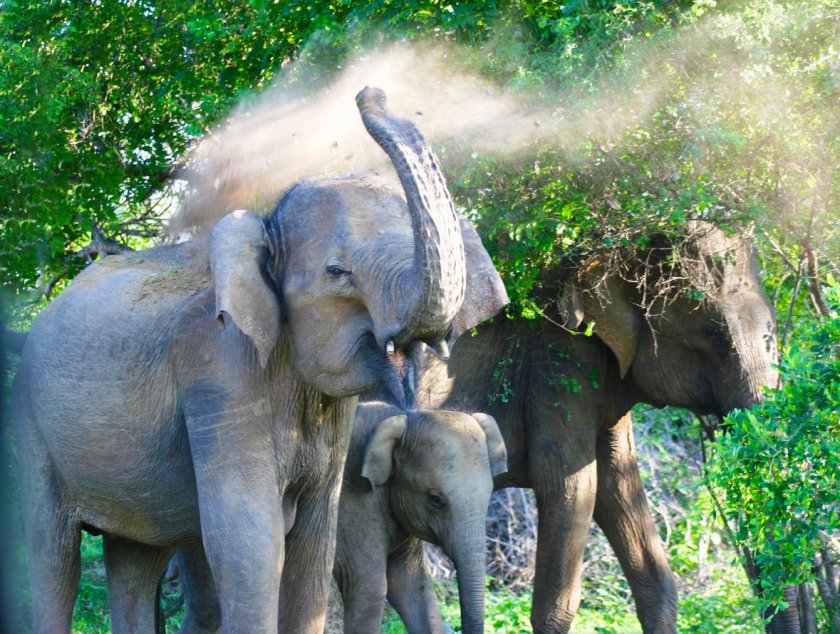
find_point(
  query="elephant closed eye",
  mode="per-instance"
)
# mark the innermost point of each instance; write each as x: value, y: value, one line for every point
x: 436, y: 500
x: 337, y: 271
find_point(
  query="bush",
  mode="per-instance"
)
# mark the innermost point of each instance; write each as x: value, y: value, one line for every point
x: 777, y: 468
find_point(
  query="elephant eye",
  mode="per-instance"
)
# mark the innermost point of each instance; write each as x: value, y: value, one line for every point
x: 436, y: 500
x: 337, y: 271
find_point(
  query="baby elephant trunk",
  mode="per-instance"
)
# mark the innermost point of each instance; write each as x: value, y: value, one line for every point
x: 467, y: 553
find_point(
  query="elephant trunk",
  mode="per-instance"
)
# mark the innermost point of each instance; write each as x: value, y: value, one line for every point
x: 755, y: 356
x: 468, y: 555
x: 439, y: 251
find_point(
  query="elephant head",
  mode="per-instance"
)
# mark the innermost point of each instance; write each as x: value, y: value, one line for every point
x: 689, y: 323
x: 440, y: 466
x: 359, y: 271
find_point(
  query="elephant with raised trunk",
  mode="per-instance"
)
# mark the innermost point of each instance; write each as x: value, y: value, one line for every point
x: 204, y: 392
x: 423, y: 475
x: 683, y: 324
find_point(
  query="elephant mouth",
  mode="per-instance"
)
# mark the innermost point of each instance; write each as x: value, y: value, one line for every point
x: 395, y: 372
x: 401, y: 381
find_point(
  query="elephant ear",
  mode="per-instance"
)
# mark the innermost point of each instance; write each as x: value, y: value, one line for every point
x: 379, y: 453
x: 604, y: 301
x: 238, y: 252
x: 495, y: 443
x: 485, y: 293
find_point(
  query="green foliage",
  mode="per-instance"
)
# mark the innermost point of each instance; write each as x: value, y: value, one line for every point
x: 777, y: 465
x: 100, y: 100
x: 91, y: 611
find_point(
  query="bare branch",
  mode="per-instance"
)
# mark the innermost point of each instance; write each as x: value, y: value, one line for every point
x: 812, y: 272
x: 778, y: 249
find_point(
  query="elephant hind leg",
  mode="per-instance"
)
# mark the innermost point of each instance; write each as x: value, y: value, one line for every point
x: 203, y: 611
x: 54, y: 570
x: 134, y: 571
x: 622, y: 512
x: 53, y: 536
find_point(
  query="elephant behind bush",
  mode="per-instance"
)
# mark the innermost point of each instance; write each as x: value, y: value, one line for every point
x: 679, y: 322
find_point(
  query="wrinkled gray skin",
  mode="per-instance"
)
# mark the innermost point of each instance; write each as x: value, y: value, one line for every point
x: 575, y: 448
x: 204, y: 392
x: 409, y: 477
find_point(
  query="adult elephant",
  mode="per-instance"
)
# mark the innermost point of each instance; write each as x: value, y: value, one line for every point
x: 205, y: 391
x: 683, y: 324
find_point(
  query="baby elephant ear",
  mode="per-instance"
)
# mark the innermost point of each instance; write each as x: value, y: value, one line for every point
x: 239, y: 250
x: 379, y: 453
x: 495, y: 443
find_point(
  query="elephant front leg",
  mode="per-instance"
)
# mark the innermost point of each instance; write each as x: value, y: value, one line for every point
x: 410, y: 590
x: 310, y: 551
x: 240, y: 508
x: 244, y: 545
x: 242, y: 531
x: 134, y: 572
x: 622, y: 512
x: 565, y: 491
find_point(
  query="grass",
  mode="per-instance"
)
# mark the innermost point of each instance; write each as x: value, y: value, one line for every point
x: 727, y: 608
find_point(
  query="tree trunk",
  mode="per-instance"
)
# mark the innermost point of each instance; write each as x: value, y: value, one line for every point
x: 786, y: 621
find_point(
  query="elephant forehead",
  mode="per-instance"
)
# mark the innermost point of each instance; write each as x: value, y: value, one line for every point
x: 351, y: 207
x: 447, y: 434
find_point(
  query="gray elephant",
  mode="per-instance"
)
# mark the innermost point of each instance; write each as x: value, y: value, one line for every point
x: 565, y: 420
x: 432, y: 473
x: 424, y: 475
x: 205, y: 391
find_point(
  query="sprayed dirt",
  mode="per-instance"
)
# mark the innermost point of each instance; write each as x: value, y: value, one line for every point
x: 296, y: 130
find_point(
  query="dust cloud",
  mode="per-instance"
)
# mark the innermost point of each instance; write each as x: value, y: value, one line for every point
x: 293, y: 131
x: 289, y: 134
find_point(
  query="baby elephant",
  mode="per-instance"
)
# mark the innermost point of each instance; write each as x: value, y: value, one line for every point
x: 432, y: 476
x: 424, y: 475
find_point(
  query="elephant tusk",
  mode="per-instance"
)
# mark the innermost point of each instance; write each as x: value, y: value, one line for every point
x: 441, y: 349
x: 389, y: 347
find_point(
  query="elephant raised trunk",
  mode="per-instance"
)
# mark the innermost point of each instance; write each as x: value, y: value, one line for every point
x: 440, y: 269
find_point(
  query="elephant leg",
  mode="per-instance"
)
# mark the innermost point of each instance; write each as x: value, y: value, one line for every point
x: 134, y: 571
x: 565, y: 484
x: 410, y: 590
x: 240, y: 508
x: 310, y: 552
x: 244, y: 546
x: 203, y: 614
x: 363, y: 587
x: 53, y: 538
x: 360, y: 575
x: 54, y: 570
x: 622, y: 512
